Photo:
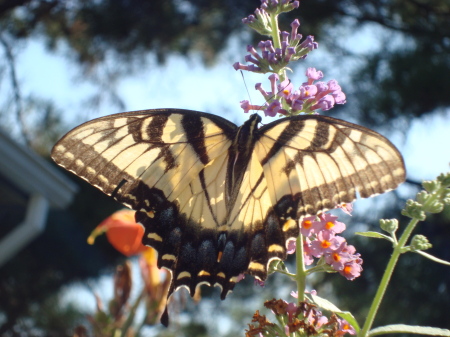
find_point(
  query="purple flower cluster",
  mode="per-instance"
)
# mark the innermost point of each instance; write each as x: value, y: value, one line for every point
x: 273, y: 59
x: 322, y: 242
x: 285, y: 100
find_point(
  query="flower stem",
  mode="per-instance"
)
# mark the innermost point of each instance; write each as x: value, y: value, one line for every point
x: 275, y: 31
x: 386, y: 278
x: 301, y: 271
x: 276, y: 40
x: 398, y: 249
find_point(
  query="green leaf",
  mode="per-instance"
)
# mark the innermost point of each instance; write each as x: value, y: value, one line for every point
x: 432, y: 258
x: 327, y: 305
x: 375, y: 235
x: 402, y: 328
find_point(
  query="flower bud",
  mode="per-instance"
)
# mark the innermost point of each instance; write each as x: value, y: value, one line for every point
x: 444, y: 178
x: 420, y: 242
x: 414, y: 210
x: 434, y: 207
x: 431, y: 186
x: 422, y: 196
x: 389, y: 225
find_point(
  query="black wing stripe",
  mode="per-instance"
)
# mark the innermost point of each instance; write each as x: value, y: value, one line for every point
x: 195, y: 134
x: 292, y: 130
x: 153, y: 131
x: 207, y: 196
x: 95, y: 162
x: 326, y: 185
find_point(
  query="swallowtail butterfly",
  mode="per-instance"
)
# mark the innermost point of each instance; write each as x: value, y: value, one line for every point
x: 217, y: 200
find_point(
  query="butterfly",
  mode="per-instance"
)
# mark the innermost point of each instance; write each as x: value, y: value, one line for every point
x: 217, y: 200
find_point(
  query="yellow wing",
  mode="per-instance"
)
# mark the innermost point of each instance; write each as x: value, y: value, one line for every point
x: 323, y: 161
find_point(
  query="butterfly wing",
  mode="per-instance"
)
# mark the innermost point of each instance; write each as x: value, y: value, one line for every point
x: 168, y: 165
x: 323, y: 162
x: 300, y: 166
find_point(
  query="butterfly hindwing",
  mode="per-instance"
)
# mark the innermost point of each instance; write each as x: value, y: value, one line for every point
x: 261, y: 221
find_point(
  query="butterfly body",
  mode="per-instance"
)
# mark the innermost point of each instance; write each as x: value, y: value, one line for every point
x: 217, y: 200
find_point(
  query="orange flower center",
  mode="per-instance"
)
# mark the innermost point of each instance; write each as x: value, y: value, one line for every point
x: 307, y: 224
x: 329, y: 225
x: 326, y: 244
x: 347, y: 269
x: 336, y: 257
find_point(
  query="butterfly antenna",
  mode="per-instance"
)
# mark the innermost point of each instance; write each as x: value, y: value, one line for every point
x: 246, y: 88
x: 268, y: 98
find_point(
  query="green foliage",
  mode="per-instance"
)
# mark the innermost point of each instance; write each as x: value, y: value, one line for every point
x: 414, y: 274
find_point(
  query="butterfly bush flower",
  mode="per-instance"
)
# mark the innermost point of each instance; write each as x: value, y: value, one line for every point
x: 325, y: 243
x: 329, y: 222
x: 346, y: 208
x: 285, y: 100
x: 321, y: 241
x: 271, y: 58
x: 274, y: 57
x: 306, y: 228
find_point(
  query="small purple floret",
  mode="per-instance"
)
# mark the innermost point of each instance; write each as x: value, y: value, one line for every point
x: 325, y: 103
x: 273, y: 108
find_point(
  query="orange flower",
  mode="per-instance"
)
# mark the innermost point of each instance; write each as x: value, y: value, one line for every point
x: 122, y: 232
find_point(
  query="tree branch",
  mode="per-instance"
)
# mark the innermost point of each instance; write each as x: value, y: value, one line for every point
x: 16, y: 89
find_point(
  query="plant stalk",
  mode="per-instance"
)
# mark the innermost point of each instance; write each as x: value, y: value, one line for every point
x: 301, y: 270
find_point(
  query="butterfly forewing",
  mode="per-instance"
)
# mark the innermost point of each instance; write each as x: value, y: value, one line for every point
x: 140, y: 147
x: 325, y: 161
